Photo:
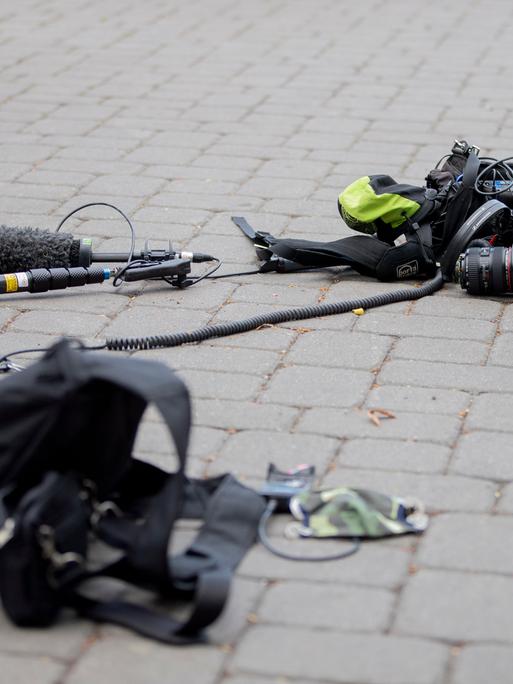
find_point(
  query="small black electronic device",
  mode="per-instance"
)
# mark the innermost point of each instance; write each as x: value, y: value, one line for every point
x: 281, y: 485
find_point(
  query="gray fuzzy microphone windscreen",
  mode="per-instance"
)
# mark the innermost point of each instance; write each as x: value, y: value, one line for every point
x: 24, y: 248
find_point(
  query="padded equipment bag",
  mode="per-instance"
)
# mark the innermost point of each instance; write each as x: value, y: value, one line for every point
x: 68, y: 483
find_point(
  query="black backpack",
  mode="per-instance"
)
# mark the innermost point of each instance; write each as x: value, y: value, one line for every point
x: 69, y: 484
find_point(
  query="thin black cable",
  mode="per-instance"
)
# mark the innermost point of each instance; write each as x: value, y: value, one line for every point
x: 230, y: 275
x: 243, y: 273
x: 117, y: 279
x: 111, y: 206
x: 6, y: 365
x: 263, y: 537
x: 141, y: 263
x: 208, y: 274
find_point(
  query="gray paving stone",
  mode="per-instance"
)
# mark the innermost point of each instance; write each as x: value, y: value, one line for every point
x: 247, y: 453
x: 206, y: 357
x: 196, y: 187
x: 7, y: 314
x: 376, y: 565
x: 505, y: 504
x: 123, y: 657
x: 482, y: 309
x: 102, y: 299
x: 284, y: 295
x: 10, y: 171
x: 418, y: 399
x: 250, y: 679
x: 238, y: 415
x: 130, y: 186
x: 456, y: 606
x: 171, y: 215
x: 424, y: 326
x: 217, y: 385
x: 306, y: 386
x: 383, y: 454
x: 240, y: 608
x: 293, y: 169
x: 27, y: 205
x: 237, y: 162
x: 11, y: 341
x: 93, y: 166
x: 447, y: 376
x: 17, y: 670
x: 26, y: 153
x: 139, y: 321
x: 330, y: 348
x: 63, y: 641
x: 37, y: 191
x: 364, y: 609
x: 472, y: 543
x: 500, y: 354
x: 480, y: 662
x: 438, y: 492
x: 167, y: 172
x: 265, y: 337
x: 340, y: 657
x: 162, y: 155
x: 357, y: 423
x: 476, y: 457
x: 50, y: 322
x: 439, y: 350
x: 506, y: 324
x: 201, y: 199
x: 300, y: 207
x: 154, y: 438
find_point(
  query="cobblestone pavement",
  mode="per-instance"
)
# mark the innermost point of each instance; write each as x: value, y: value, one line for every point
x: 183, y: 114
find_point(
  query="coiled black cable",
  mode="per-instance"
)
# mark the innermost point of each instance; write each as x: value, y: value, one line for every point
x: 273, y: 317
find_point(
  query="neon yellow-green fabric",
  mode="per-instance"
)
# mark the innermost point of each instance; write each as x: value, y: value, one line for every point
x: 361, y: 205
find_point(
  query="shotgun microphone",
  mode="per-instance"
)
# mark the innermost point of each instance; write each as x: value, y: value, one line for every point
x: 23, y: 249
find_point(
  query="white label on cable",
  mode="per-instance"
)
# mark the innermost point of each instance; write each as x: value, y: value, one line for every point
x: 22, y: 280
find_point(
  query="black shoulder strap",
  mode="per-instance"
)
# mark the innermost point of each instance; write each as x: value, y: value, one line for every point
x: 148, y: 550
x: 231, y: 514
x: 460, y: 204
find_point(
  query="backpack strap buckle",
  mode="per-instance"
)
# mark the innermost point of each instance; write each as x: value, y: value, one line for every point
x: 58, y: 560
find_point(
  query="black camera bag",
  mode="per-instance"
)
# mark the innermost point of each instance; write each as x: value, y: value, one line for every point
x: 68, y: 482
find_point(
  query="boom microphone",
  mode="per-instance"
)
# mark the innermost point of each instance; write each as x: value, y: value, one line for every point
x: 22, y: 249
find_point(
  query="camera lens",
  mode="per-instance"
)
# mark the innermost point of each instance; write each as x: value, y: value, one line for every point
x: 485, y: 270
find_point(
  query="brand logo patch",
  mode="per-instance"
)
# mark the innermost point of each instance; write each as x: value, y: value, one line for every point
x: 407, y: 270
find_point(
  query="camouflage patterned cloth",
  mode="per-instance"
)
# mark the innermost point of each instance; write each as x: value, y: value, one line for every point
x: 355, y: 513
